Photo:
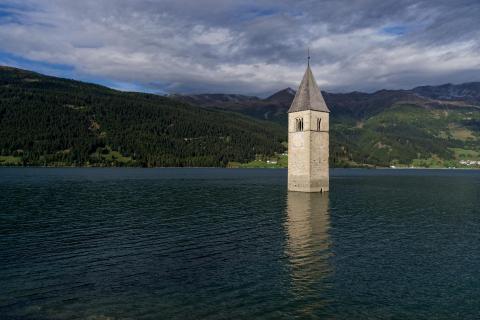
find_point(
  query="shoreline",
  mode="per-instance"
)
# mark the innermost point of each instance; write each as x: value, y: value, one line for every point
x: 244, y: 168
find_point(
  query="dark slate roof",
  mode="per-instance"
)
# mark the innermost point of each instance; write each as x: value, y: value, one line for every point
x: 308, y: 96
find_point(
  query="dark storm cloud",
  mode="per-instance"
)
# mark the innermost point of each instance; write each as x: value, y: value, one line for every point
x: 248, y: 46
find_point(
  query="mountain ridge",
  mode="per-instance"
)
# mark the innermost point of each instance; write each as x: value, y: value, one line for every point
x: 454, y: 95
x: 424, y: 126
x: 61, y: 122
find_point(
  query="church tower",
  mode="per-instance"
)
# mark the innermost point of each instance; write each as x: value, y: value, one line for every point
x: 308, y: 138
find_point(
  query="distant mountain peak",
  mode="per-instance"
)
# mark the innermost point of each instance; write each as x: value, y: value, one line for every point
x: 469, y: 92
x: 283, y: 97
x: 290, y: 91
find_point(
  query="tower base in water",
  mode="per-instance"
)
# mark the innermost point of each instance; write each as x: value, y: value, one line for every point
x: 298, y: 184
x: 308, y: 139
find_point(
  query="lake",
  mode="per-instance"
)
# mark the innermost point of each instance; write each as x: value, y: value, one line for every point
x: 131, y: 243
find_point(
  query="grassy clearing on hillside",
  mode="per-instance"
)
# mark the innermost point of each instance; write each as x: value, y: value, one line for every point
x: 440, y: 163
x: 10, y: 161
x: 113, y: 156
x: 462, y: 134
x: 464, y: 154
x: 277, y: 161
x: 431, y: 163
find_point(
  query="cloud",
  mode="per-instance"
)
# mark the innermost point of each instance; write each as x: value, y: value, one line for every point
x: 252, y: 47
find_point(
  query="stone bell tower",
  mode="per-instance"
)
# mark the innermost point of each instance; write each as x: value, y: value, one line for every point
x: 308, y: 138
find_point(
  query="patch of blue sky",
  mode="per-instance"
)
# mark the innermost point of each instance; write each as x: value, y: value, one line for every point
x: 11, y: 5
x: 4, y: 14
x: 264, y: 12
x: 253, y: 12
x: 10, y: 9
x: 117, y: 85
x: 7, y: 15
x: 57, y: 69
x: 396, y: 30
x: 16, y: 13
x: 69, y: 72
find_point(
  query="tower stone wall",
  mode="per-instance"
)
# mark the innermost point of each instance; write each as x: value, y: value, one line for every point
x: 308, y: 152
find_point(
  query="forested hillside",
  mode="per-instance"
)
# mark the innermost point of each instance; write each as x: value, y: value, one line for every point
x: 52, y: 121
x: 426, y: 126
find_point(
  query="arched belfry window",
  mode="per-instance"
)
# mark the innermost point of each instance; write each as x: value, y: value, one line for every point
x: 299, y: 124
x: 319, y: 124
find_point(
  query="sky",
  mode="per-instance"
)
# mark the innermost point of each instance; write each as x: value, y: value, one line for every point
x: 252, y: 47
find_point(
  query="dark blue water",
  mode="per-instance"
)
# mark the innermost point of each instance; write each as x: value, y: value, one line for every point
x: 234, y: 244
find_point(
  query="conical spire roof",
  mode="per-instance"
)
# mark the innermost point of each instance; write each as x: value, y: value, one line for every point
x: 308, y: 96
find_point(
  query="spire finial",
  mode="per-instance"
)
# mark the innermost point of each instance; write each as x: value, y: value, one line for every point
x: 308, y: 56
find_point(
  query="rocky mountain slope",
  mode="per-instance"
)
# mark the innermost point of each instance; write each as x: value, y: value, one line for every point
x: 466, y: 92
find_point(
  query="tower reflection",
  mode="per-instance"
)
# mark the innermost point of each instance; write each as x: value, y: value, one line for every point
x: 308, y: 248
